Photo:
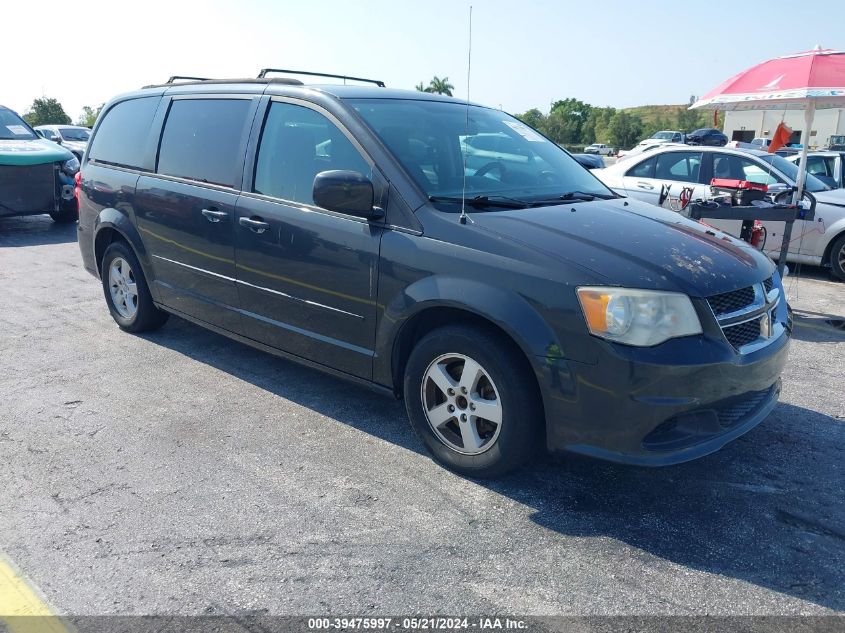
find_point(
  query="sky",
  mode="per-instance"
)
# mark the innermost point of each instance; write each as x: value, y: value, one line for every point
x: 525, y: 54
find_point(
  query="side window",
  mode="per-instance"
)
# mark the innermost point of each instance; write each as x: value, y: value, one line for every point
x: 297, y: 143
x: 753, y: 172
x: 201, y: 139
x: 818, y: 166
x: 644, y: 170
x: 121, y: 138
x: 679, y: 166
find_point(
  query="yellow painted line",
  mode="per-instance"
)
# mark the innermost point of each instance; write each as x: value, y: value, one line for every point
x: 22, y: 607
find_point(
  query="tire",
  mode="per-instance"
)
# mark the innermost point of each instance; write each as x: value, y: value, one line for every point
x: 503, y: 385
x: 837, y: 258
x: 65, y: 215
x: 121, y: 273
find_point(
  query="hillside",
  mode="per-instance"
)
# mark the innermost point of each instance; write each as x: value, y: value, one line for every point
x: 650, y: 113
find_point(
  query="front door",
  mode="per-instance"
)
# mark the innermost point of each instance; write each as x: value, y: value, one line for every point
x: 306, y: 276
x: 186, y: 212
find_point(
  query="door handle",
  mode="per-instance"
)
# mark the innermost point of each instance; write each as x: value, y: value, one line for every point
x: 645, y: 185
x: 213, y: 215
x: 256, y: 225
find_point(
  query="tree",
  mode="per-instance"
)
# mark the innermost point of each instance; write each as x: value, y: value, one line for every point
x: 688, y: 120
x: 46, y: 111
x: 566, y: 121
x: 534, y: 118
x: 89, y: 116
x: 596, y: 127
x: 421, y: 87
x: 438, y: 86
x: 625, y: 129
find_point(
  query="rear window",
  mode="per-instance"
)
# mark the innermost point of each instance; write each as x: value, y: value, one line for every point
x: 201, y: 139
x: 121, y: 138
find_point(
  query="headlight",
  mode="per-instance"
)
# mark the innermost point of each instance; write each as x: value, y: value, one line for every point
x: 638, y: 317
x: 70, y: 166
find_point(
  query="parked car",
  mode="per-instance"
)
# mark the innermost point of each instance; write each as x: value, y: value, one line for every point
x: 820, y: 242
x: 512, y: 304
x: 829, y: 167
x: 836, y: 143
x: 658, y: 138
x: 36, y: 176
x: 73, y: 137
x: 590, y: 161
x: 643, y: 147
x: 707, y: 136
x: 599, y: 148
x: 760, y: 143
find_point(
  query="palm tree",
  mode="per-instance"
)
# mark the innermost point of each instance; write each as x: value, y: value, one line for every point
x: 441, y: 86
x: 421, y: 87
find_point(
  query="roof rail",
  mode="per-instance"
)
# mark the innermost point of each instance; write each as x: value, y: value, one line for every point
x: 264, y: 72
x: 176, y: 78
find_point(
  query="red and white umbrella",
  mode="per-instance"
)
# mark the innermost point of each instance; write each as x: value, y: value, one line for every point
x: 803, y: 81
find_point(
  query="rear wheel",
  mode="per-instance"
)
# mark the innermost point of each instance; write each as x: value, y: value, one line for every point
x: 473, y: 401
x: 837, y: 258
x: 126, y: 291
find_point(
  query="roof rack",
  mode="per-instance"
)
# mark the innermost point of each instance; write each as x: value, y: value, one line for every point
x: 176, y: 78
x: 264, y: 72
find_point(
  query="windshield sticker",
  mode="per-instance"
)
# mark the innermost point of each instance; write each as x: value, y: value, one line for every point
x: 17, y: 129
x: 524, y: 131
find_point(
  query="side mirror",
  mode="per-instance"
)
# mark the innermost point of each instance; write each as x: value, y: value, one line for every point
x: 346, y: 192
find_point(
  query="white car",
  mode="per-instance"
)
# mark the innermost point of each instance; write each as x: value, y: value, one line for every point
x: 819, y: 242
x: 829, y: 167
x: 658, y: 138
x: 599, y: 148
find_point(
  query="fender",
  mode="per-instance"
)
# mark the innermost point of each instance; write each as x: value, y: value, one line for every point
x: 112, y: 218
x: 832, y: 232
x: 505, y: 308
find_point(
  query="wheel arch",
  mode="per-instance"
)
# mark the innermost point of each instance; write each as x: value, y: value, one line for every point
x: 838, y: 232
x: 111, y: 225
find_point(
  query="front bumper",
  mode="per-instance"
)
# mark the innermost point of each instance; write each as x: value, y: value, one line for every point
x: 660, y: 406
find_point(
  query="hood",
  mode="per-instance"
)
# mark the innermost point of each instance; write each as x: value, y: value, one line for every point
x: 636, y: 245
x: 34, y: 152
x: 835, y: 197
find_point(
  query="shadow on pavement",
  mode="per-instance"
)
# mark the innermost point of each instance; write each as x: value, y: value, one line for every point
x: 768, y: 509
x: 34, y: 230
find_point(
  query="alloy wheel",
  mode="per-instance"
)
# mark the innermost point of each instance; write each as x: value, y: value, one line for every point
x: 122, y: 288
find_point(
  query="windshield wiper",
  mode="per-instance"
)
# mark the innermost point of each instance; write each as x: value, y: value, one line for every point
x: 573, y: 196
x: 484, y: 201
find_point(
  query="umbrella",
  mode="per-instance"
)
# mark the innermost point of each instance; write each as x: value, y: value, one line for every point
x: 803, y: 81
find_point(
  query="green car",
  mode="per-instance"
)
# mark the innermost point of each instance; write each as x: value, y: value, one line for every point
x: 36, y: 175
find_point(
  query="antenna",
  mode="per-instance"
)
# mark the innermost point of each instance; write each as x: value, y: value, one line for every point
x: 463, y: 217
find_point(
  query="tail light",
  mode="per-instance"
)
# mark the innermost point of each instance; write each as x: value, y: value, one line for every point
x: 77, y: 183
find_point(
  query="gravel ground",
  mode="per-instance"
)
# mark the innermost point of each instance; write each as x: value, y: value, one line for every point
x: 183, y: 473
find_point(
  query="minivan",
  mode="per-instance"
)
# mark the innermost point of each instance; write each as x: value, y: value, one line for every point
x: 514, y: 305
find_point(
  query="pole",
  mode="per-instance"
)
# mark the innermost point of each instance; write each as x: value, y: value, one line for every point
x: 809, y: 115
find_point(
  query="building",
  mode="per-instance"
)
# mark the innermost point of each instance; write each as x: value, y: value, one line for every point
x: 745, y: 125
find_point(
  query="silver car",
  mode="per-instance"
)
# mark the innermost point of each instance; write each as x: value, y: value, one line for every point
x: 73, y: 137
x: 820, y: 242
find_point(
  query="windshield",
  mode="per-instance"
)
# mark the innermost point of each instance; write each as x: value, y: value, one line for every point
x: 790, y: 170
x: 663, y: 135
x: 12, y: 127
x: 504, y: 157
x: 74, y: 133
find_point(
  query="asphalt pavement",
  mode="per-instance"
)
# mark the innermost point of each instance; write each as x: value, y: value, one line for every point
x: 183, y: 473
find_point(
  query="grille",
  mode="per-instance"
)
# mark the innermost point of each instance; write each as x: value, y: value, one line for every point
x: 731, y: 301
x: 743, y: 333
x: 27, y: 188
x: 729, y: 416
x: 769, y: 284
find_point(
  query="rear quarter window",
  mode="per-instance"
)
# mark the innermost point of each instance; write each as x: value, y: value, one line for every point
x: 122, y: 136
x: 643, y: 170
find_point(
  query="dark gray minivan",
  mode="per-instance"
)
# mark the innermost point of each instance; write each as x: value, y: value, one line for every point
x: 513, y: 303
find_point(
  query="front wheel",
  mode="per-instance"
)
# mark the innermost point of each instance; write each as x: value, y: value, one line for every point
x: 837, y: 258
x: 126, y: 291
x: 473, y: 401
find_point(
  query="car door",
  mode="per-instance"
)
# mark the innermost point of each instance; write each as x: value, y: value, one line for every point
x: 306, y: 276
x: 186, y: 211
x: 638, y: 180
x: 678, y: 170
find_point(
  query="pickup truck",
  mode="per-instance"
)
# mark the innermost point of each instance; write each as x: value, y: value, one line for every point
x: 600, y: 149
